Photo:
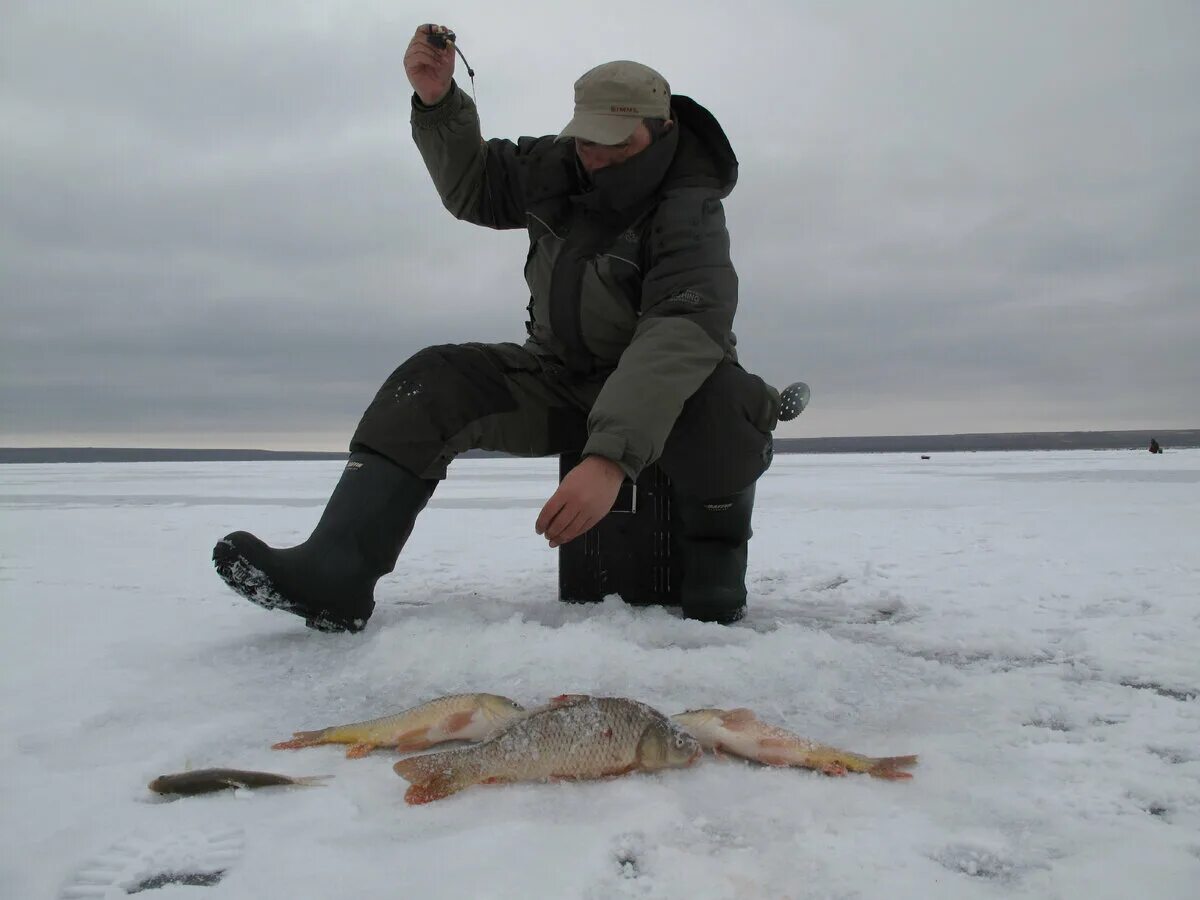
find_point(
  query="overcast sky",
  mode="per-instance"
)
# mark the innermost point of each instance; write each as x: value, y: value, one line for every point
x: 951, y: 216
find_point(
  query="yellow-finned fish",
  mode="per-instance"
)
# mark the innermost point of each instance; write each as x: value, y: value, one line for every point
x: 741, y: 733
x: 458, y: 717
x: 572, y: 738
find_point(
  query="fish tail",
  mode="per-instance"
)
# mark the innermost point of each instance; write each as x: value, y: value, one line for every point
x: 435, y: 789
x: 311, y: 780
x: 304, y: 739
x: 889, y: 768
x: 433, y: 776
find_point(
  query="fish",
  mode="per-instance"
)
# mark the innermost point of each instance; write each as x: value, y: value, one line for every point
x: 570, y: 739
x: 457, y: 717
x: 207, y: 781
x: 740, y: 732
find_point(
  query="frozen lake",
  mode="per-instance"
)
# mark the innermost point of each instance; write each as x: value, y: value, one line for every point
x: 1029, y: 623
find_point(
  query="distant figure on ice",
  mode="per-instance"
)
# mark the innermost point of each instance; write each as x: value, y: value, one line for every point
x: 629, y: 358
x: 1154, y: 448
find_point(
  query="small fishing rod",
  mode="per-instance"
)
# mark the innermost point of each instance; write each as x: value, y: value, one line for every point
x: 442, y: 39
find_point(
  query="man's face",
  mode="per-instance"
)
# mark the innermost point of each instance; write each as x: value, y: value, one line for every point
x: 594, y: 157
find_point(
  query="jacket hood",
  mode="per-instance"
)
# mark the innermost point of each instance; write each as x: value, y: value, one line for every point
x: 704, y: 157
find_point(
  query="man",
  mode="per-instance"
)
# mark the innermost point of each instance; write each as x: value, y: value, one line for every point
x: 629, y: 360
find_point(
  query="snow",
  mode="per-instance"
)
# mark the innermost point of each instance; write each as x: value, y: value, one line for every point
x: 1029, y: 623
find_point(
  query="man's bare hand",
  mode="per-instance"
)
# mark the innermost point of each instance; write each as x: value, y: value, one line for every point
x: 428, y: 68
x: 583, y: 499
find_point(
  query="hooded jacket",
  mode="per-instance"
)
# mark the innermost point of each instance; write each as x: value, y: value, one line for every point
x: 629, y: 273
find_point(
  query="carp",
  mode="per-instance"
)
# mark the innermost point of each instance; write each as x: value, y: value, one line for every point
x: 573, y: 738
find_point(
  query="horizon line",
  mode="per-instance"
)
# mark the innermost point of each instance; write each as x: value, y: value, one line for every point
x: 837, y: 437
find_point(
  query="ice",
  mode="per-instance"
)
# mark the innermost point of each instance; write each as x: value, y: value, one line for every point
x: 1026, y: 622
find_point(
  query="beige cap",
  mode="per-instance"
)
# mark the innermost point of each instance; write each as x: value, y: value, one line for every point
x: 611, y: 99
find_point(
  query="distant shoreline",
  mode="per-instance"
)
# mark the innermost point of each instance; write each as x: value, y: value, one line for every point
x: 928, y: 443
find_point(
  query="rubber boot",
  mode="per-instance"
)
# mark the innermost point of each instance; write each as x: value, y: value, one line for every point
x: 712, y: 537
x: 329, y: 580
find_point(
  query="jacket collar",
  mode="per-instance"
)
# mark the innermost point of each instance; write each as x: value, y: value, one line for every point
x: 620, y: 189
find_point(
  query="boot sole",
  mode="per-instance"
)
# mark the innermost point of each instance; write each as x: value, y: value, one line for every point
x: 248, y: 581
x: 718, y: 613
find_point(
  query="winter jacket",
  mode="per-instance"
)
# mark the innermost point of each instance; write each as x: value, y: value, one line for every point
x: 629, y: 273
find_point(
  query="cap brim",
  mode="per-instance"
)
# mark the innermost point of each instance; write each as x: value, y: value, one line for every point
x: 600, y: 129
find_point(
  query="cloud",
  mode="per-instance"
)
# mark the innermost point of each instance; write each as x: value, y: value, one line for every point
x: 950, y: 217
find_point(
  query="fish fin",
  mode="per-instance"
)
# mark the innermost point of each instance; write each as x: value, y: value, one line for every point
x: 302, y: 739
x: 429, y: 780
x: 358, y: 751
x: 738, y: 719
x: 437, y: 789
x: 431, y: 777
x: 768, y: 758
x: 889, y: 767
x: 835, y: 768
x: 731, y: 751
x: 775, y: 742
x: 458, y: 721
x: 774, y: 751
x: 567, y: 699
x: 417, y: 739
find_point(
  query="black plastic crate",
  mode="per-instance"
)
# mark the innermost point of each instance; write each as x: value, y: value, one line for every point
x: 629, y: 552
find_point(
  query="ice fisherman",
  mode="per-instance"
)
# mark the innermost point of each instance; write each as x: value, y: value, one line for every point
x: 629, y: 359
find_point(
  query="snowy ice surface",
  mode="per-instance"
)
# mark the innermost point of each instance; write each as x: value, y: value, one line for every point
x: 1029, y: 623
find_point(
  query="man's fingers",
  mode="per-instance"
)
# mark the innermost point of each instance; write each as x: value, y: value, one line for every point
x: 424, y: 31
x: 421, y: 51
x: 429, y: 35
x: 564, y: 528
x: 423, y: 54
x: 579, y: 526
x: 560, y: 523
x: 549, y: 511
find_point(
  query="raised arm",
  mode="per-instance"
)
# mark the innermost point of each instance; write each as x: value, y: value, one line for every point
x: 478, y: 181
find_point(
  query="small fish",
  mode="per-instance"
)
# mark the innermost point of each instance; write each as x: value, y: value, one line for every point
x: 207, y: 781
x: 572, y: 738
x: 458, y: 717
x: 741, y: 733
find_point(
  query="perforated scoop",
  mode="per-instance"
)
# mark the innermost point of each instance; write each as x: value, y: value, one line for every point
x: 792, y: 400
